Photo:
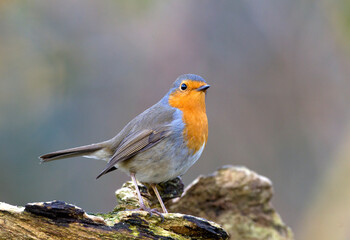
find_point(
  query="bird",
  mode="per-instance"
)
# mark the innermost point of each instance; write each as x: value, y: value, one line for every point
x: 159, y: 144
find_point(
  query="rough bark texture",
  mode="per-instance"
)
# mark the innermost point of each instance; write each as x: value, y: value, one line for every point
x: 234, y: 197
x: 239, y: 200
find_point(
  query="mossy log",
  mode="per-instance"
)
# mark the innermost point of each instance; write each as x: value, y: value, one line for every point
x: 234, y: 197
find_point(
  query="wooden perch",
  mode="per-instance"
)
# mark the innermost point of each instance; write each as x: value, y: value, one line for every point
x: 234, y: 197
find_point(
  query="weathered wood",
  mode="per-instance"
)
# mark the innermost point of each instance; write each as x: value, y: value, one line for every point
x: 59, y: 220
x: 239, y: 200
x: 234, y: 197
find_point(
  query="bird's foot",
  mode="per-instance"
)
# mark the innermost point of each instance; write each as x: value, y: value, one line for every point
x: 151, y: 211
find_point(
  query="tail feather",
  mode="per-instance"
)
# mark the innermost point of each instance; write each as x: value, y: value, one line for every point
x: 71, y: 152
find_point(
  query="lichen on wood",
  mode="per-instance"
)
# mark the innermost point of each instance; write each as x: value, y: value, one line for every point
x: 234, y: 197
x: 59, y: 220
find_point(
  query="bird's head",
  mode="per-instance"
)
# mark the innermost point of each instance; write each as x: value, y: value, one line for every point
x: 188, y: 92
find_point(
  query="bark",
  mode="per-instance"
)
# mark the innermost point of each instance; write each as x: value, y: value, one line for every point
x: 234, y: 197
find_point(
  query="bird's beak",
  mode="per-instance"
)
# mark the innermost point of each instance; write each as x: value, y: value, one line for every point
x: 203, y: 88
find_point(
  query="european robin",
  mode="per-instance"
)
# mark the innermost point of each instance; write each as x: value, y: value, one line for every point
x: 158, y: 145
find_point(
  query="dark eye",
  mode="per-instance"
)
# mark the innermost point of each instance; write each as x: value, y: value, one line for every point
x: 183, y: 86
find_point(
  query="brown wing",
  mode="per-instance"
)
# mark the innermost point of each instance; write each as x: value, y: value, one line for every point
x: 135, y: 143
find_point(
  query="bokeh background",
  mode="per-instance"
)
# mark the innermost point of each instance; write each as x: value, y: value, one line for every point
x: 75, y: 72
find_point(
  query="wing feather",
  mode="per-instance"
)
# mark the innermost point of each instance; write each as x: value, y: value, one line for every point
x: 135, y: 143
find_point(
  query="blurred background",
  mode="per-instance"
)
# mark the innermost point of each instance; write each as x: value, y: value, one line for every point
x: 75, y: 72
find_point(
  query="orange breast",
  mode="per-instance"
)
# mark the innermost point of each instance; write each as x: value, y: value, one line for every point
x: 192, y: 105
x: 196, y: 130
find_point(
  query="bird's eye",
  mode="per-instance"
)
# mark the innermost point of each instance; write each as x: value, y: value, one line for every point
x: 183, y: 86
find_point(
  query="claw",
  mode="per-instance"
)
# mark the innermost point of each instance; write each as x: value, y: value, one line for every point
x: 151, y: 211
x: 142, y: 205
x: 155, y: 211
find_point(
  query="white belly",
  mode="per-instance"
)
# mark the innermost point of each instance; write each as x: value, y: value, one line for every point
x: 160, y: 164
x: 185, y: 165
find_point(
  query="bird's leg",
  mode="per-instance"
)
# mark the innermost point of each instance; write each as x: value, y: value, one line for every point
x: 154, y: 186
x: 142, y: 204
